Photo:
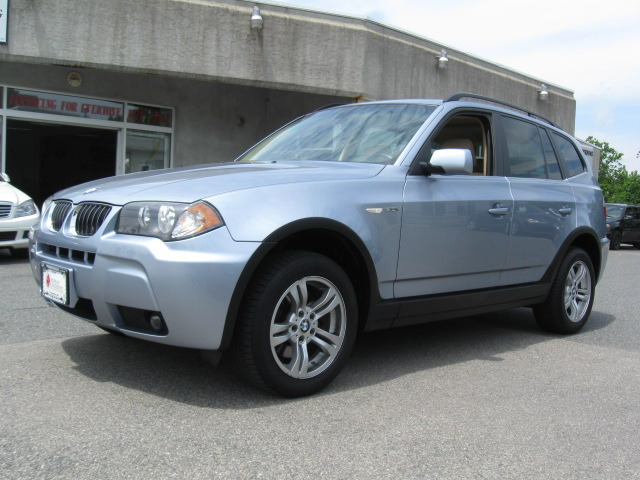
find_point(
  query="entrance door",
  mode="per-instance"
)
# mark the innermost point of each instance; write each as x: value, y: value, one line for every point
x: 43, y: 158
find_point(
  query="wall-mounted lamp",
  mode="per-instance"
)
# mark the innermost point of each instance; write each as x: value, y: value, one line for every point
x: 256, y: 19
x: 443, y: 59
x: 543, y: 93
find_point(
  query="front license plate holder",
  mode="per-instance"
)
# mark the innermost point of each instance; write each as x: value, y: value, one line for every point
x: 55, y: 284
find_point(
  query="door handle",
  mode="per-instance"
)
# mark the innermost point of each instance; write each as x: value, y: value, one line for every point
x: 497, y: 210
x: 565, y: 211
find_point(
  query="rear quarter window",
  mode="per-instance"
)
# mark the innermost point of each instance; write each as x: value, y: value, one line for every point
x: 569, y: 156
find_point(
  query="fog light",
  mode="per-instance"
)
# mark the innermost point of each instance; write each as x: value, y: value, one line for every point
x: 156, y: 323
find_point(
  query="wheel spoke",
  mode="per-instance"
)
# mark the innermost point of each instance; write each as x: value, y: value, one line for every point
x: 278, y: 328
x: 573, y: 315
x: 279, y: 340
x: 298, y: 294
x: 279, y: 331
x: 299, y: 365
x: 304, y: 366
x: 329, y: 301
x: 334, y: 339
x: 327, y: 348
x: 579, y: 274
x: 583, y: 295
x: 567, y: 301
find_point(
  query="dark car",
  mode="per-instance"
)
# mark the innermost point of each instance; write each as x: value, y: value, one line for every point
x: 623, y: 225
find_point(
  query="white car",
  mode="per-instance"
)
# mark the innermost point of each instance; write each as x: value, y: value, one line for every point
x: 18, y: 213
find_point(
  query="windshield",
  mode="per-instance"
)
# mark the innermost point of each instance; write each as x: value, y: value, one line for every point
x: 367, y: 133
x: 614, y: 211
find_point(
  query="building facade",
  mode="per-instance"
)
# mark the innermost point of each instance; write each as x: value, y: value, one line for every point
x: 91, y: 88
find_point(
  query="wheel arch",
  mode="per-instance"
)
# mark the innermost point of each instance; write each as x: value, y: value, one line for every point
x: 320, y: 235
x: 585, y: 238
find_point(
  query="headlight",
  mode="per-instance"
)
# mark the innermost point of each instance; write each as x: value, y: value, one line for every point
x: 168, y: 221
x: 26, y: 209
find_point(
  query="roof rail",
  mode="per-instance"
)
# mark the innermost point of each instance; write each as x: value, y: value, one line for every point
x: 458, y: 96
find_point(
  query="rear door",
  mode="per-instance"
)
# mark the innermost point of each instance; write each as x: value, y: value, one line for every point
x: 544, y: 212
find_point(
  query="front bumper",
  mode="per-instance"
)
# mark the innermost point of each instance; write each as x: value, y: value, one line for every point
x: 113, y: 278
x: 14, y: 232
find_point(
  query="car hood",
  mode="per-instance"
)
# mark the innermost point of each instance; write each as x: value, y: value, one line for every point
x: 194, y: 183
x: 9, y: 193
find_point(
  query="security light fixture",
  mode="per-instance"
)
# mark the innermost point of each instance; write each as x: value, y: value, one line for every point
x: 443, y: 59
x: 256, y: 19
x: 543, y: 93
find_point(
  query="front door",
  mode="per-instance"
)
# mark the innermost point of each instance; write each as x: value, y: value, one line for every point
x: 455, y: 233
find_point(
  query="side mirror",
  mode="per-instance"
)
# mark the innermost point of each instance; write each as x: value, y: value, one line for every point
x: 450, y: 160
x: 5, y: 177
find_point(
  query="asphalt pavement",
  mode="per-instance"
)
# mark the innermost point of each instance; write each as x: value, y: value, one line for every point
x: 485, y: 397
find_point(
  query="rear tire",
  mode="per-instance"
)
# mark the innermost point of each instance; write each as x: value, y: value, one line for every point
x: 297, y: 324
x: 569, y: 303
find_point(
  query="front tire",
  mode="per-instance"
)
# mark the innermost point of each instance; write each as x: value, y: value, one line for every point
x: 569, y: 303
x: 297, y: 324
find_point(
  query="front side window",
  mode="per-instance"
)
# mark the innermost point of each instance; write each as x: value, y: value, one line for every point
x: 467, y: 132
x: 365, y: 133
x: 569, y: 155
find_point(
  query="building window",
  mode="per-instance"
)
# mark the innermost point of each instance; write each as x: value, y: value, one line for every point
x: 146, y: 151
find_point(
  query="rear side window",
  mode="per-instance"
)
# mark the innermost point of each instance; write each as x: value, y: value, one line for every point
x: 525, y: 154
x: 553, y: 168
x: 568, y: 155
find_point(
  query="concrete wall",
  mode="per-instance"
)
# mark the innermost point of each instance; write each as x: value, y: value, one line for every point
x: 297, y: 50
x: 214, y: 122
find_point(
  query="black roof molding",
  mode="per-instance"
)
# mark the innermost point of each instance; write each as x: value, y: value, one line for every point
x: 458, y: 96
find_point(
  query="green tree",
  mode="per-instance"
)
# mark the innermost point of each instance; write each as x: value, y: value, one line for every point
x: 618, y: 185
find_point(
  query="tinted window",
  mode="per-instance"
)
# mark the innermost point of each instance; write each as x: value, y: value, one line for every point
x: 553, y: 168
x: 633, y: 212
x: 568, y: 155
x: 524, y: 149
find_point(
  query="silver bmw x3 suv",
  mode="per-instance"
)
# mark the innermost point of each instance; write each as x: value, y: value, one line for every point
x: 352, y: 218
